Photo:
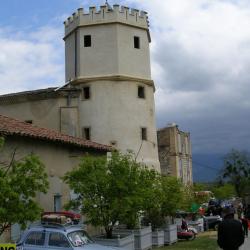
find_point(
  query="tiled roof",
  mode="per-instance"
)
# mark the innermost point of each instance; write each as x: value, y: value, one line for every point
x: 10, y: 126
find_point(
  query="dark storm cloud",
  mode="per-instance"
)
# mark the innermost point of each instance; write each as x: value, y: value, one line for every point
x: 201, y: 64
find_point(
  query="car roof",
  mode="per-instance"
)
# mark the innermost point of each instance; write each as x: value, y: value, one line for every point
x: 55, y: 228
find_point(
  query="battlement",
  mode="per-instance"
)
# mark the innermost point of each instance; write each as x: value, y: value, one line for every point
x: 119, y: 14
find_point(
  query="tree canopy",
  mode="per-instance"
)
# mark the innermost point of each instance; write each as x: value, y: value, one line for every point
x: 236, y: 171
x: 111, y: 190
x: 20, y: 180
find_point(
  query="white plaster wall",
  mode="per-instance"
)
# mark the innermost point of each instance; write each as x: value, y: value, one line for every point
x: 133, y: 62
x: 43, y: 113
x: 101, y: 58
x: 70, y: 57
x: 115, y: 113
x: 112, y: 52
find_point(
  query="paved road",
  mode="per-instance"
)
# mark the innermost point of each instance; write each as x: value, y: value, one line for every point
x: 246, y: 245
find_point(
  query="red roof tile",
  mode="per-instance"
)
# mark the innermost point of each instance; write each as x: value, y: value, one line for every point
x: 10, y: 126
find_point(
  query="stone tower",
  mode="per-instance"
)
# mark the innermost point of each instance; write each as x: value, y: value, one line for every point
x: 107, y: 56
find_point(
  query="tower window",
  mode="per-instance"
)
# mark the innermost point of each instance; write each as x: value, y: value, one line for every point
x: 144, y: 134
x: 86, y: 93
x: 141, y: 92
x: 136, y: 42
x: 87, y: 41
x: 86, y: 133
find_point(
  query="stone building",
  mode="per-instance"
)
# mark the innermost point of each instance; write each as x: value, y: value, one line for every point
x: 175, y: 153
x: 108, y: 96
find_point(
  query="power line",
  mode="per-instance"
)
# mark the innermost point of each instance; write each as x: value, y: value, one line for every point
x: 205, y: 166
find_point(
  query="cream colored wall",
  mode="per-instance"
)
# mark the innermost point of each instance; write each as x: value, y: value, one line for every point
x: 57, y: 159
x: 115, y: 113
x: 112, y: 52
x: 101, y: 58
x: 133, y: 62
x: 70, y: 57
x: 45, y: 113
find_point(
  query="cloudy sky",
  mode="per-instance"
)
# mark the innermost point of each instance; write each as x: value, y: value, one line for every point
x: 200, y: 55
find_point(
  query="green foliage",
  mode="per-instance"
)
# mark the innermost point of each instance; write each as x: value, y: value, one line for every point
x: 225, y: 191
x: 236, y: 171
x: 110, y: 190
x: 19, y: 182
x: 173, y: 195
x: 188, y: 198
x: 1, y: 142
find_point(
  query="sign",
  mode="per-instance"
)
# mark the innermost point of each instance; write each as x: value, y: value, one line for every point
x: 7, y: 246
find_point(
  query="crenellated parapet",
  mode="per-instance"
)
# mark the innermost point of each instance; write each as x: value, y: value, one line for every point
x: 118, y: 14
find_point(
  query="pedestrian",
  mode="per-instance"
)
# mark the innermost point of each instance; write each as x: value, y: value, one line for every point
x: 230, y: 232
x: 184, y: 225
x: 244, y: 222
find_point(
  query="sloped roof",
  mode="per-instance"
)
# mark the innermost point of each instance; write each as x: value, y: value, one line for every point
x: 10, y: 126
x: 38, y: 94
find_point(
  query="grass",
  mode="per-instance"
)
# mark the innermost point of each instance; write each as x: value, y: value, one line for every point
x: 203, y: 241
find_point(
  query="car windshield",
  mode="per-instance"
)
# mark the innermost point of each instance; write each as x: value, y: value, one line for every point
x: 79, y: 238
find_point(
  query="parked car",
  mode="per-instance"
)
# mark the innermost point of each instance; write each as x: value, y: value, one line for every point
x: 55, y: 236
x: 212, y: 222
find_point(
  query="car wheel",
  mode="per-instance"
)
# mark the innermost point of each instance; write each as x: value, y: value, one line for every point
x: 193, y: 236
x: 216, y: 227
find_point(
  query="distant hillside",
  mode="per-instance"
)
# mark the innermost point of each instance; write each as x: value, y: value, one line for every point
x: 206, y: 166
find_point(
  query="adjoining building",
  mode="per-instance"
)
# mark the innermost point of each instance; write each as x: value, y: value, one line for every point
x: 175, y: 153
x: 59, y: 153
x: 108, y: 96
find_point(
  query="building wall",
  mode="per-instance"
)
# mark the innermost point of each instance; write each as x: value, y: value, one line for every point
x: 52, y: 113
x: 57, y: 159
x: 113, y: 69
x: 115, y: 114
x: 175, y: 153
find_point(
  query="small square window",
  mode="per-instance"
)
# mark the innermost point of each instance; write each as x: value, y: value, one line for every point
x: 29, y: 121
x: 113, y: 143
x: 144, y: 134
x: 136, y: 42
x: 86, y: 93
x: 141, y: 92
x: 87, y: 41
x: 86, y: 133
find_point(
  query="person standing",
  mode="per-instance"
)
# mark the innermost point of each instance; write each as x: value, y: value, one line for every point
x: 244, y: 222
x: 230, y: 232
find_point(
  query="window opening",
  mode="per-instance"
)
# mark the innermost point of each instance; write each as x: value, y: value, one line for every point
x: 86, y: 93
x: 144, y: 134
x: 57, y: 202
x: 86, y: 133
x: 35, y: 238
x: 29, y: 121
x: 136, y: 42
x: 141, y: 92
x: 87, y: 41
x: 58, y: 240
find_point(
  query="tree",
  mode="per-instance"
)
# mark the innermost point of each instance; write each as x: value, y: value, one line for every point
x: 172, y: 189
x: 19, y: 182
x: 236, y: 170
x: 223, y: 192
x: 110, y: 190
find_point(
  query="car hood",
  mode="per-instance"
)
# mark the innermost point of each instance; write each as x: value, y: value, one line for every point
x: 97, y: 247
